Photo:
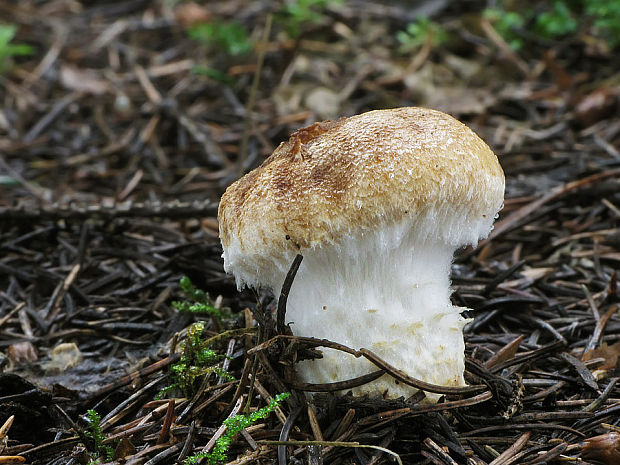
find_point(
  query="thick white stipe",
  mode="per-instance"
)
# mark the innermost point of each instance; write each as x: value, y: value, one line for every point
x: 387, y: 291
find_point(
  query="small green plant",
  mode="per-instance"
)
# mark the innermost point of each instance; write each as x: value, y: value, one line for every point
x: 230, y: 37
x: 507, y: 24
x: 295, y: 14
x: 557, y: 21
x: 198, y: 301
x: 214, y: 74
x: 234, y: 425
x: 9, y: 50
x: 196, y: 361
x: 100, y: 452
x: 606, y: 19
x: 558, y: 18
x: 420, y: 32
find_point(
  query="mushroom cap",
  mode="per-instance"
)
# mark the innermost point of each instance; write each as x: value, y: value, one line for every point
x: 335, y: 179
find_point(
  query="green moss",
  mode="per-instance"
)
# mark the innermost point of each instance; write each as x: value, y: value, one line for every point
x: 99, y: 452
x: 234, y: 425
x: 197, y: 301
x: 197, y: 360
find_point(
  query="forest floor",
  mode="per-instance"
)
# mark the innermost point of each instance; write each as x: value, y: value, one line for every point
x: 121, y: 124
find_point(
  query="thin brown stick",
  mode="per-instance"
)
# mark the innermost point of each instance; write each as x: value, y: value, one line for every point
x: 519, y: 217
x: 416, y: 383
x: 243, y: 152
x: 138, y: 374
x: 512, y: 450
x: 286, y: 289
x: 165, y: 428
x: 172, y: 209
x: 338, y: 385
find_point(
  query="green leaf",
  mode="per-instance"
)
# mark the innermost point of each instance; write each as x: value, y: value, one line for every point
x: 507, y: 25
x: 20, y: 50
x: 557, y: 22
x: 8, y: 180
x: 296, y: 14
x: 7, y: 32
x: 606, y: 23
x: 420, y: 32
x: 9, y: 50
x: 229, y: 36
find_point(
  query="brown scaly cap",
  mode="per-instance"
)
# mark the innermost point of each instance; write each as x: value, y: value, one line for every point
x: 357, y: 173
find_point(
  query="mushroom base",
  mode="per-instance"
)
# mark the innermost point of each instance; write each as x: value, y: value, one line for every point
x: 387, y: 291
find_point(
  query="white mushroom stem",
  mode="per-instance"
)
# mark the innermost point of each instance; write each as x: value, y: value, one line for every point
x: 387, y: 291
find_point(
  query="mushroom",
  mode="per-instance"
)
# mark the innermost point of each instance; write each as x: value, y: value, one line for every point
x: 376, y: 204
